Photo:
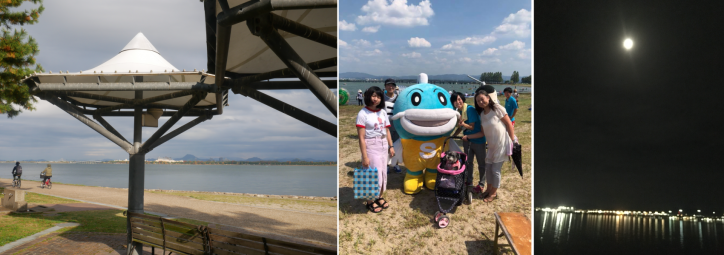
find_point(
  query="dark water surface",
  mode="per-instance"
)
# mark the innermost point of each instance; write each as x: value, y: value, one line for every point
x: 271, y: 180
x: 577, y: 233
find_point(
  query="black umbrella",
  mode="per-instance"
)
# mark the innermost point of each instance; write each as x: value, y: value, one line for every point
x: 518, y: 158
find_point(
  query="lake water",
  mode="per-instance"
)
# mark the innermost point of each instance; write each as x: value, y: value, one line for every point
x: 352, y: 88
x: 575, y: 233
x: 270, y: 180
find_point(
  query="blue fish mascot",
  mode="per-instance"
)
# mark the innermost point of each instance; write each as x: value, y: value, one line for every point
x: 423, y: 116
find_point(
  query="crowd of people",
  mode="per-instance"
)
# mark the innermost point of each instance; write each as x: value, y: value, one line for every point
x: 487, y: 128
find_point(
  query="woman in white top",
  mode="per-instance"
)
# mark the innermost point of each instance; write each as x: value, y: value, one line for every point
x: 374, y: 133
x: 499, y: 133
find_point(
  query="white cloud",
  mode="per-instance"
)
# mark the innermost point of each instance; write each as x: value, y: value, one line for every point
x: 388, y: 60
x: 465, y: 59
x: 378, y: 44
x: 362, y: 42
x: 417, y: 42
x: 412, y: 55
x: 375, y: 52
x: 516, y: 45
x: 341, y: 43
x: 371, y: 29
x: 447, y: 52
x: 396, y: 13
x: 517, y: 24
x: 344, y: 26
x: 524, y: 54
x: 489, y: 52
x: 458, y: 44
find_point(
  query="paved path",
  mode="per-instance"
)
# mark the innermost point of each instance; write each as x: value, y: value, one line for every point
x: 312, y: 228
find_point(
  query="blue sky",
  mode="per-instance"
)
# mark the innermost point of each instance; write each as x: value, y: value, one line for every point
x: 83, y: 34
x: 399, y: 37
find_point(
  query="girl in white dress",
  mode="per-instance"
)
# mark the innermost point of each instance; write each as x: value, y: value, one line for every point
x: 499, y: 133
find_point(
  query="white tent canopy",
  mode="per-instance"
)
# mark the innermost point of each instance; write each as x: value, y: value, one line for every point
x: 138, y: 63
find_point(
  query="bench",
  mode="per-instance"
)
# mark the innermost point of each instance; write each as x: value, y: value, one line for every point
x: 516, y: 228
x: 184, y: 238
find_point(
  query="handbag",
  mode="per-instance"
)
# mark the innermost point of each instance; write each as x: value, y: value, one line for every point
x: 366, y: 185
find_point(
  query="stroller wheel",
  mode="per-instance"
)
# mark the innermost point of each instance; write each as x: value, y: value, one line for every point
x: 444, y: 221
x: 438, y: 214
x: 469, y: 199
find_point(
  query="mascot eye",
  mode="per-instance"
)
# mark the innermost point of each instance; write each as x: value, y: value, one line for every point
x: 442, y: 98
x: 416, y: 98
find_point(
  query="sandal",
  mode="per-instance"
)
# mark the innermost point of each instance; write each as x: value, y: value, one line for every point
x: 371, y: 207
x: 490, y: 198
x: 384, y: 203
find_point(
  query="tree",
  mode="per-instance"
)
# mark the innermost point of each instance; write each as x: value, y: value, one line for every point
x: 514, y: 78
x: 527, y: 79
x: 17, y: 56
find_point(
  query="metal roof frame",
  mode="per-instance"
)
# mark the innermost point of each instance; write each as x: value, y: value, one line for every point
x: 264, y: 24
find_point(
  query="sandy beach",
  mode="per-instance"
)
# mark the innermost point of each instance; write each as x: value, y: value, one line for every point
x: 298, y: 223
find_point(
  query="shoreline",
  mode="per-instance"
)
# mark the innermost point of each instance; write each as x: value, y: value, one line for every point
x: 299, y: 197
x: 149, y: 163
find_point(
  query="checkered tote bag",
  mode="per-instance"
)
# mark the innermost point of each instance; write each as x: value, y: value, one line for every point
x: 365, y: 184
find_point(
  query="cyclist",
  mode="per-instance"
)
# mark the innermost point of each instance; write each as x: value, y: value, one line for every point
x: 48, y: 173
x: 17, y: 171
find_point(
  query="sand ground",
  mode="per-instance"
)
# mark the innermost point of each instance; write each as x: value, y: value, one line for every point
x: 299, y: 224
x: 407, y: 227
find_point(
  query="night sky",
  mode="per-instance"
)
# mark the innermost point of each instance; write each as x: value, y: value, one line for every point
x: 628, y: 130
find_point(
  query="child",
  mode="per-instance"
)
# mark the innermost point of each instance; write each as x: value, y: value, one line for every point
x: 374, y: 141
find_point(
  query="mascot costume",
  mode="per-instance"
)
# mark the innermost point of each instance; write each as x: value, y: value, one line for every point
x: 423, y: 117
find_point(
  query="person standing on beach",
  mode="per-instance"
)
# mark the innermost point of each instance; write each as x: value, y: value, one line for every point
x: 390, y: 97
x: 475, y: 148
x: 515, y: 94
x: 374, y: 140
x: 511, y: 104
x: 498, y: 131
x: 359, y: 97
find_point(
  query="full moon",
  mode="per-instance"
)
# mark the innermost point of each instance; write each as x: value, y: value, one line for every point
x: 628, y: 44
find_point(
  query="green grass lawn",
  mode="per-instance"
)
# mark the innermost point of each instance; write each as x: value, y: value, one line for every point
x: 15, y: 226
x: 35, y: 198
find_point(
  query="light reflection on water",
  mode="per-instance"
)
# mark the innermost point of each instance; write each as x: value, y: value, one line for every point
x: 572, y: 233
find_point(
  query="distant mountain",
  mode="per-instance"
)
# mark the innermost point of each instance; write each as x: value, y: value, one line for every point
x: 190, y: 157
x: 448, y: 77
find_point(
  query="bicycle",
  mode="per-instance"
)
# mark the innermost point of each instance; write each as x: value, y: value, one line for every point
x: 16, y: 182
x: 46, y: 183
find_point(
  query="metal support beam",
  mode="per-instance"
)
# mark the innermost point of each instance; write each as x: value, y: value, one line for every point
x: 223, y: 36
x: 303, y: 31
x: 136, y: 172
x: 96, y: 97
x: 109, y: 127
x: 276, y: 85
x: 141, y: 102
x: 292, y: 111
x: 175, y: 118
x: 179, y: 130
x: 65, y: 106
x: 244, y: 12
x: 291, y: 59
x: 281, y: 73
x: 128, y: 86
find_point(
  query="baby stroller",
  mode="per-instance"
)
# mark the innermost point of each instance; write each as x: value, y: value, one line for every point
x: 450, y: 188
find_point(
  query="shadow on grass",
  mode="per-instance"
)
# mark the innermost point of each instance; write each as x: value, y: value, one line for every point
x: 486, y: 247
x: 355, y: 137
x: 254, y: 224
